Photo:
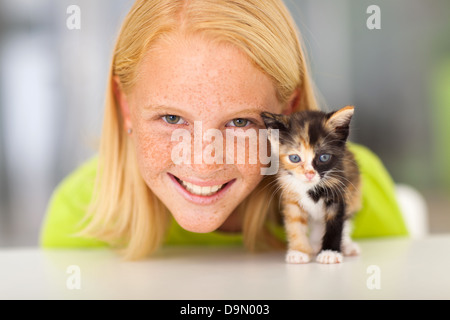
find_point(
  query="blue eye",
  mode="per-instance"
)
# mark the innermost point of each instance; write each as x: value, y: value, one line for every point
x: 325, y: 157
x: 294, y: 158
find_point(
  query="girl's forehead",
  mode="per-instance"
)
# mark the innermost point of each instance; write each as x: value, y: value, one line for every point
x: 202, y: 74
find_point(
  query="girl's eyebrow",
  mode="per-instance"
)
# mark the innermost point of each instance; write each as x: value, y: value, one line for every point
x: 255, y: 112
x: 160, y: 107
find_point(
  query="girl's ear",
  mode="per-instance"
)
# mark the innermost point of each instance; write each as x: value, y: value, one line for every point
x: 122, y: 101
x: 293, y: 102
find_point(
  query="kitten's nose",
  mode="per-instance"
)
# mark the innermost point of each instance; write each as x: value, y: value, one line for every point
x: 310, y: 175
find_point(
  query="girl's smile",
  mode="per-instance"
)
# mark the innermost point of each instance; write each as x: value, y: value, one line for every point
x: 201, y: 192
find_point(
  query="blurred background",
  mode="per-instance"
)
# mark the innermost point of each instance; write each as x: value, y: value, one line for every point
x: 52, y: 83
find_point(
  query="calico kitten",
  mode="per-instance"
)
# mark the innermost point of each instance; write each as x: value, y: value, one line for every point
x: 319, y: 181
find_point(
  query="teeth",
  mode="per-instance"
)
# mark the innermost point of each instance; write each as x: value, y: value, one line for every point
x: 201, y: 191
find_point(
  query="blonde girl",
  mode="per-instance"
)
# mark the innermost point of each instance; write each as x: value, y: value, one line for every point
x: 175, y: 62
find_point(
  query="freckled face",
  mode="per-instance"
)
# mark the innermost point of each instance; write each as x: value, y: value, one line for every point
x: 183, y: 80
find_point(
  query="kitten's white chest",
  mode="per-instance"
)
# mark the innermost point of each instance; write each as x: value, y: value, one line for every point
x: 316, y: 210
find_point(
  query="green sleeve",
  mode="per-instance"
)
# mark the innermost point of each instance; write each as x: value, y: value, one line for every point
x: 380, y: 214
x: 67, y: 208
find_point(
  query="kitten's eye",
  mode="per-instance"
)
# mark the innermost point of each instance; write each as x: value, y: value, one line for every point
x: 294, y: 158
x: 239, y: 122
x: 325, y: 157
x: 172, y: 119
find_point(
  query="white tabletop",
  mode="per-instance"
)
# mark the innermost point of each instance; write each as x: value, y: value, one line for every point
x: 395, y: 268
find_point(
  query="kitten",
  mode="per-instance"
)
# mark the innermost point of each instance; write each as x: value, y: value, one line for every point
x: 319, y: 181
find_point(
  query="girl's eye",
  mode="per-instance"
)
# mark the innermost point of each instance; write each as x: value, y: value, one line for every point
x: 239, y: 122
x: 325, y: 157
x: 172, y: 119
x: 294, y: 158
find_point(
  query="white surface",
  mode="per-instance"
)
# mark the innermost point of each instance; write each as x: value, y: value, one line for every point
x: 407, y: 269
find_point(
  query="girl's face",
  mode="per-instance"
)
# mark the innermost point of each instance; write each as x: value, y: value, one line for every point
x: 183, y: 80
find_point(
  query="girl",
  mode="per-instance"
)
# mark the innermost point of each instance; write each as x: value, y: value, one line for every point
x: 178, y: 63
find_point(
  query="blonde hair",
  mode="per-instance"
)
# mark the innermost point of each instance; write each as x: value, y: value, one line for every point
x: 124, y: 212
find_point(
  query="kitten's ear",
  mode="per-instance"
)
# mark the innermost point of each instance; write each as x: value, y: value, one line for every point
x: 275, y: 121
x: 339, y: 121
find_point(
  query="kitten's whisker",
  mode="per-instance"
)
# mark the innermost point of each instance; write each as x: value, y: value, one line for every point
x: 340, y: 187
x: 338, y: 192
x: 336, y: 186
x: 274, y: 194
x: 343, y: 178
x: 269, y: 184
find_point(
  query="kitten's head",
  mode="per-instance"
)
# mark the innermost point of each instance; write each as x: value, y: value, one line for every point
x: 311, y: 143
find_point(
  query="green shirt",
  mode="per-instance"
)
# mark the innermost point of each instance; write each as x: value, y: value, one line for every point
x: 379, y: 216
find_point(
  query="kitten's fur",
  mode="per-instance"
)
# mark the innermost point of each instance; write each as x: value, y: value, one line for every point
x: 323, y: 194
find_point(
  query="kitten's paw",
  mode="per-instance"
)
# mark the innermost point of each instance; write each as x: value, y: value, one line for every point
x: 350, y: 249
x: 329, y: 257
x: 294, y: 256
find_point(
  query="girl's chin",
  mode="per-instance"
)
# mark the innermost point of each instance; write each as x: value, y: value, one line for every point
x: 198, y: 223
